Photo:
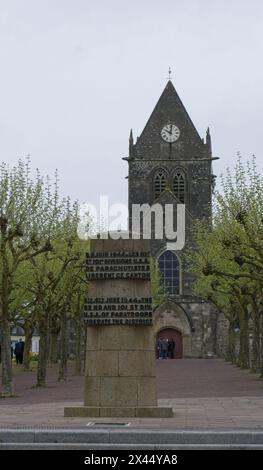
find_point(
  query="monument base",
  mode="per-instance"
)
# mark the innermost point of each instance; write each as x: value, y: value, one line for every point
x: 118, y: 412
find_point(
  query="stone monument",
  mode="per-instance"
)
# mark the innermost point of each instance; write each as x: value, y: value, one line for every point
x: 120, y: 378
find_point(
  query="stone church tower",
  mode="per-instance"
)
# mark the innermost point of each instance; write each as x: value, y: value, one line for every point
x: 170, y: 164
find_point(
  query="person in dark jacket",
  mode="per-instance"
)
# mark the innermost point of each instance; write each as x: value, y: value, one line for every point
x: 164, y: 348
x: 19, y: 351
x: 171, y: 349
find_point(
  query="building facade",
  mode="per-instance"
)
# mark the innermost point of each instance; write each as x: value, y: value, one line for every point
x: 171, y: 164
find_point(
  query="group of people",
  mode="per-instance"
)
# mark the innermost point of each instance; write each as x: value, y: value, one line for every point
x: 166, y: 348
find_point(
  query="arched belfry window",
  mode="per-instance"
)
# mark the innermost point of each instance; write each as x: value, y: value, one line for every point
x: 170, y: 269
x: 179, y: 186
x: 159, y: 183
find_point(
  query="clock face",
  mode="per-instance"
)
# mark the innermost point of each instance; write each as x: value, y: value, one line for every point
x: 170, y: 133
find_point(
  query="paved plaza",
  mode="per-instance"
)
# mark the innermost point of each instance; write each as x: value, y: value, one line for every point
x: 205, y: 393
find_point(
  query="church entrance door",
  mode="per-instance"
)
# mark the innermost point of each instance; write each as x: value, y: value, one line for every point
x: 174, y: 343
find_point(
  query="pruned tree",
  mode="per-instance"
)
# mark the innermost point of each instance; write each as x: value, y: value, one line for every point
x: 159, y: 292
x: 228, y: 260
x: 27, y: 215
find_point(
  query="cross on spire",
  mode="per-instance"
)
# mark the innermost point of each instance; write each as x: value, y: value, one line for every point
x: 169, y: 73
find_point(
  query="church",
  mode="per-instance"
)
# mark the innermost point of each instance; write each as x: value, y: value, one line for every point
x: 171, y: 164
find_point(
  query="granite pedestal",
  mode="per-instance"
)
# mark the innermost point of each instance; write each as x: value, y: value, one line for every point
x: 120, y: 378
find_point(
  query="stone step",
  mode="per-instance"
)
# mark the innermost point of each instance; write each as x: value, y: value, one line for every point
x: 130, y: 437
x: 116, y: 446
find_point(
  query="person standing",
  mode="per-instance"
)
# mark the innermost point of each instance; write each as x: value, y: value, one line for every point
x: 164, y: 348
x: 16, y: 352
x: 19, y: 351
x: 171, y: 349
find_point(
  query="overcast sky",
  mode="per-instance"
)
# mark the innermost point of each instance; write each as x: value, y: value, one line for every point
x: 76, y: 75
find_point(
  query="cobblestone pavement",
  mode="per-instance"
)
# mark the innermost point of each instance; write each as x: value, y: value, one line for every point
x: 204, y: 393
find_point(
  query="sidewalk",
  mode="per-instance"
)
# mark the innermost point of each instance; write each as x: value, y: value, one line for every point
x: 204, y: 394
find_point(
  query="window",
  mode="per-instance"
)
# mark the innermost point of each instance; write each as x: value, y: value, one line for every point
x: 179, y: 186
x: 159, y: 184
x: 170, y: 269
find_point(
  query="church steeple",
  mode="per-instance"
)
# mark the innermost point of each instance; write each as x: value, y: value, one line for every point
x: 170, y: 164
x: 171, y: 148
x: 169, y: 111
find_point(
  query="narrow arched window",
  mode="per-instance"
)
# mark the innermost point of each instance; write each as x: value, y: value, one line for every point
x: 159, y: 184
x: 179, y: 186
x: 170, y: 269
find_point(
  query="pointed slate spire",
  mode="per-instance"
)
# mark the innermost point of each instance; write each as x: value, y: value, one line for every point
x: 169, y: 109
x: 131, y: 144
x: 208, y: 136
x: 208, y: 140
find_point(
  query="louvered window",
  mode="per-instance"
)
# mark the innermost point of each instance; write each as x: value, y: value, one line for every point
x: 179, y: 187
x: 159, y: 184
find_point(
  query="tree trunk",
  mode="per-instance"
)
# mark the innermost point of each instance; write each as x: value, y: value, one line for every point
x: 7, y: 376
x: 78, y: 348
x: 243, y: 360
x: 85, y: 349
x: 79, y: 330
x: 256, y: 343
x: 62, y: 373
x: 29, y: 330
x: 231, y: 350
x: 261, y: 346
x: 53, y: 350
x: 5, y: 283
x: 43, y: 353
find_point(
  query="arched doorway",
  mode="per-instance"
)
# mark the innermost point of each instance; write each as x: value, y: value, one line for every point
x: 171, y: 316
x: 175, y: 343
